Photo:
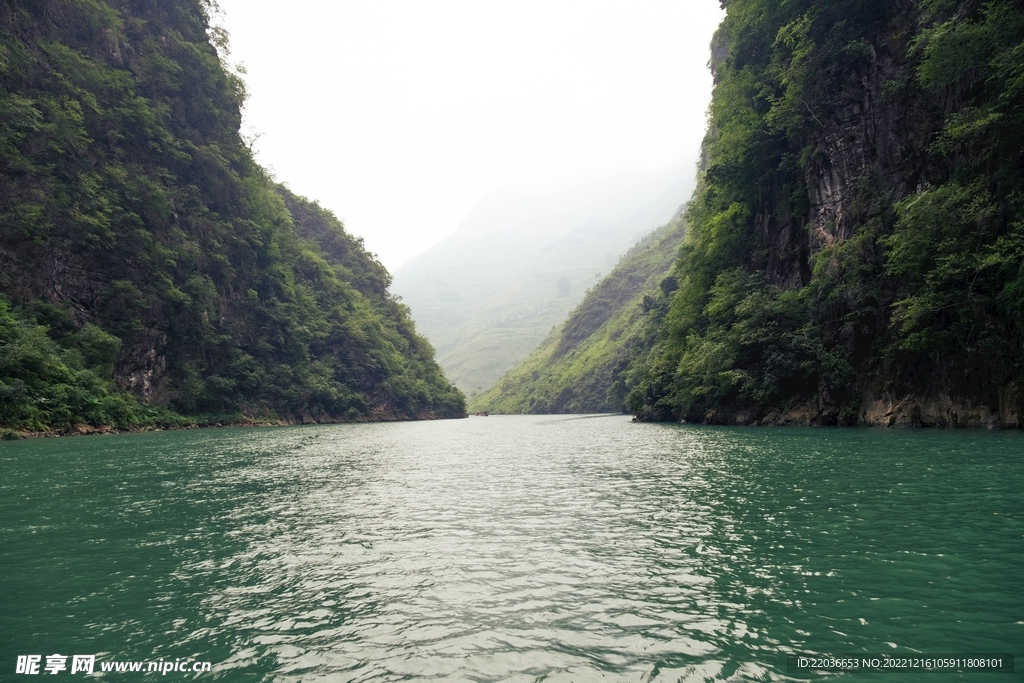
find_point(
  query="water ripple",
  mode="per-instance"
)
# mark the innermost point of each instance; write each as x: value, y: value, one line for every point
x: 539, y: 548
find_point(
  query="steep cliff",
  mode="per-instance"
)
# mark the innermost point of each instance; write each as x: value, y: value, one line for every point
x: 855, y: 248
x: 130, y: 207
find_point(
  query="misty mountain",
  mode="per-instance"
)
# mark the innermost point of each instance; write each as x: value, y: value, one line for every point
x: 590, y: 361
x: 490, y: 293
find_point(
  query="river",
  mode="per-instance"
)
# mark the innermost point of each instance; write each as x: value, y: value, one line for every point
x: 533, y: 548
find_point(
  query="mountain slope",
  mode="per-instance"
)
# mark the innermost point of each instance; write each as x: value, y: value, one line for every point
x: 132, y: 213
x: 586, y: 365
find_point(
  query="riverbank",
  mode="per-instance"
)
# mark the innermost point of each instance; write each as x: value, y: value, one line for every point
x: 13, y: 434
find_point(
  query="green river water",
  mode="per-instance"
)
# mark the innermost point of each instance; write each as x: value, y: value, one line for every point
x: 511, y: 549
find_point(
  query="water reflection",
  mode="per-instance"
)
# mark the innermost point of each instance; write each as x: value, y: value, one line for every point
x: 518, y: 548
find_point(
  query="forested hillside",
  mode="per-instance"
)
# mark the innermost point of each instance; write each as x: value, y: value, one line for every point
x: 149, y: 268
x: 855, y: 249
x: 587, y: 363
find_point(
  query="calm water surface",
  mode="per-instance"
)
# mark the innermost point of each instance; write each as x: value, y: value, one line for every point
x: 511, y: 549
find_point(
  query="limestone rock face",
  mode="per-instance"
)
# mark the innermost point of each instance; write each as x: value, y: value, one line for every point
x: 933, y: 411
x: 872, y: 143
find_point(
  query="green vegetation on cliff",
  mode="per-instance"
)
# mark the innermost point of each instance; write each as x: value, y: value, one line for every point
x: 146, y: 260
x: 857, y: 241
x: 56, y: 376
x: 587, y: 363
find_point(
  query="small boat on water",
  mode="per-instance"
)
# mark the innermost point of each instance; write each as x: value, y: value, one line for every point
x: 481, y: 413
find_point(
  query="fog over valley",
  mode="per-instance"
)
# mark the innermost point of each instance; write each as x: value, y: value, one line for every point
x: 487, y: 295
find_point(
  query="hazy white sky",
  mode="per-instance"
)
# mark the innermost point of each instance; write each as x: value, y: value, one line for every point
x: 401, y: 115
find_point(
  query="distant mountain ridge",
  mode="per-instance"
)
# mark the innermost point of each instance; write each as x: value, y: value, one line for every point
x: 588, y: 364
x: 489, y: 294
